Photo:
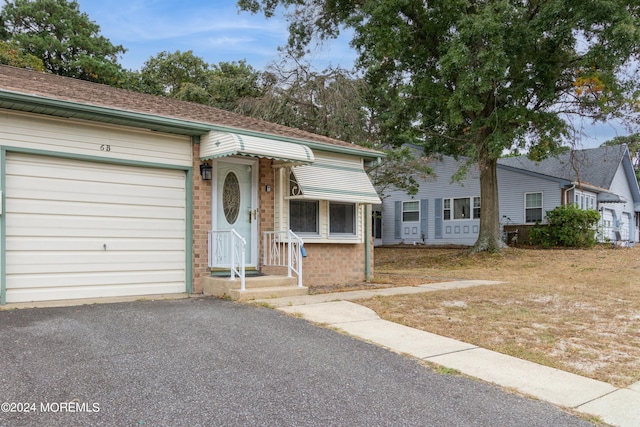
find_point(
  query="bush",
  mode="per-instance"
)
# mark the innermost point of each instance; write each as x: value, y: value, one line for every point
x: 567, y: 226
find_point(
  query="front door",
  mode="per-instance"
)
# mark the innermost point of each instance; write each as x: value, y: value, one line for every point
x: 236, y: 202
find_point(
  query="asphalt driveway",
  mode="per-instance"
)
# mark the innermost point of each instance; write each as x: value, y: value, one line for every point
x: 209, y: 362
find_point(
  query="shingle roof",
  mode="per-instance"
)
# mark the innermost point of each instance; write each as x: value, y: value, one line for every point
x: 595, y: 166
x: 81, y: 92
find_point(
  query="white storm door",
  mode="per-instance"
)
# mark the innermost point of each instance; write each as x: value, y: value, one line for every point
x: 236, y: 204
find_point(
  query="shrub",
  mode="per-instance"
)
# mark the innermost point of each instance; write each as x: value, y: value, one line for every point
x: 568, y: 226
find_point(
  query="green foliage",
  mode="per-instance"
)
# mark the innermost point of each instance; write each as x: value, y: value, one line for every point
x: 67, y: 42
x: 328, y: 102
x: 230, y: 83
x: 469, y: 78
x: 567, y: 226
x: 14, y: 55
x: 167, y: 73
x: 182, y: 75
x: 400, y: 169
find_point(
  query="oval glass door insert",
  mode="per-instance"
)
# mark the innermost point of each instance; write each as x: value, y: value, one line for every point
x: 231, y: 198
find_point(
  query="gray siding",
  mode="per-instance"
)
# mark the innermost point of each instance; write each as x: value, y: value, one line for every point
x: 462, y: 232
x: 513, y: 186
x: 623, y: 212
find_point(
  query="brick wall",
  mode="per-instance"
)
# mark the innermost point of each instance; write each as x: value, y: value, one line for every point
x: 325, y: 264
x: 333, y: 264
x: 267, y: 201
x: 201, y: 222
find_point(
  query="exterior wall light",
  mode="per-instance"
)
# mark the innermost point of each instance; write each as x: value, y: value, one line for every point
x: 205, y: 171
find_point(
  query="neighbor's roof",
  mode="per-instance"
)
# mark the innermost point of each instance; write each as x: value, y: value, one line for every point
x: 51, y: 94
x: 595, y: 166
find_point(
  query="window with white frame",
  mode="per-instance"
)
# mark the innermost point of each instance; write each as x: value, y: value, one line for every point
x: 342, y: 218
x: 584, y: 200
x: 533, y: 207
x: 463, y: 208
x: 304, y: 216
x: 320, y: 219
x: 410, y: 211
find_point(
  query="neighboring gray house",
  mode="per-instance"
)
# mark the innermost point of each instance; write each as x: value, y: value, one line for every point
x: 446, y: 212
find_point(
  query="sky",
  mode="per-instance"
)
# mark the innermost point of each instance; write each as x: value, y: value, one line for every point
x: 213, y: 29
x: 217, y: 32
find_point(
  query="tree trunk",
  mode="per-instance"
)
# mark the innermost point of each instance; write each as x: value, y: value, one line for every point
x: 489, y: 236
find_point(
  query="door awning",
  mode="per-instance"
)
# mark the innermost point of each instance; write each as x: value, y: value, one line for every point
x: 222, y: 144
x: 606, y: 197
x: 335, y: 181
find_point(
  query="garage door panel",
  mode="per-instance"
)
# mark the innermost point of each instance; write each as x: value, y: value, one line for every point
x: 146, y: 177
x: 40, y: 243
x: 74, y: 226
x: 69, y: 293
x: 116, y: 278
x: 102, y: 210
x: 60, y: 214
x: 47, y: 167
x: 90, y: 261
x: 123, y: 194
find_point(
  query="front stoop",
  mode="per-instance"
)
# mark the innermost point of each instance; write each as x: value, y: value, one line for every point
x: 256, y: 287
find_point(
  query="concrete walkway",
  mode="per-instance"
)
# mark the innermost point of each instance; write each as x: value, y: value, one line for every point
x: 618, y: 407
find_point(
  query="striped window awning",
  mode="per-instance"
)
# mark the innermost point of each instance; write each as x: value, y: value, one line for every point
x: 328, y: 179
x: 222, y: 144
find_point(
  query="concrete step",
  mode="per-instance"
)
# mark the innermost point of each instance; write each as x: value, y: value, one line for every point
x: 256, y: 287
x: 264, y: 293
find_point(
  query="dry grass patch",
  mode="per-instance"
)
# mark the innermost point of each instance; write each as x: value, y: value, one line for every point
x: 576, y: 310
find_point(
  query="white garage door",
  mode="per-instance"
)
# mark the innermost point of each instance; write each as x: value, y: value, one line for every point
x: 607, y: 225
x: 77, y: 229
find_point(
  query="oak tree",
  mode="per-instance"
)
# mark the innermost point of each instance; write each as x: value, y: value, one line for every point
x: 64, y: 38
x: 478, y: 78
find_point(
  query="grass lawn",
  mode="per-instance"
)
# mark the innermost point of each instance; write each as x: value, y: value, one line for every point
x: 576, y: 310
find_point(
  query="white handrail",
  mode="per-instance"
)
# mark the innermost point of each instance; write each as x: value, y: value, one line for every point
x: 295, y: 256
x: 237, y: 252
x: 275, y: 245
x: 227, y: 249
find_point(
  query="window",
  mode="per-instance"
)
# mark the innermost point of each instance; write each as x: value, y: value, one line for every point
x: 315, y: 217
x: 303, y: 216
x: 462, y: 208
x: 533, y: 207
x: 476, y: 207
x: 410, y: 211
x: 342, y: 218
x: 376, y: 221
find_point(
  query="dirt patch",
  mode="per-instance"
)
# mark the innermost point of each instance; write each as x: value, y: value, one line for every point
x: 576, y: 310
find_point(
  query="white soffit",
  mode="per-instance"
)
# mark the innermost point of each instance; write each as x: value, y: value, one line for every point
x: 335, y: 180
x: 222, y: 144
